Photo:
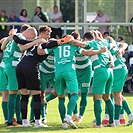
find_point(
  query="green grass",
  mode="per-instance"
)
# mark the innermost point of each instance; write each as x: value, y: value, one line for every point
x: 54, y: 122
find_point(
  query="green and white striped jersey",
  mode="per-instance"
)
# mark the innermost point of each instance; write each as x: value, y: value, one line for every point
x: 47, y: 66
x: 12, y: 51
x: 82, y: 61
x: 101, y: 59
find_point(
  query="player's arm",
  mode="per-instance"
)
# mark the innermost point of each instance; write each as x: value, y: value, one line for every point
x: 51, y: 43
x: 122, y: 48
x: 78, y: 43
x: 111, y: 60
x: 2, y: 40
x: 43, y: 48
x: 91, y: 52
x: 29, y: 45
x: 5, y: 42
x: 20, y: 40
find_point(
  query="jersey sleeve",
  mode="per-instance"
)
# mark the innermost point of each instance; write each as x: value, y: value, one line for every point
x: 48, y: 51
x: 88, y: 45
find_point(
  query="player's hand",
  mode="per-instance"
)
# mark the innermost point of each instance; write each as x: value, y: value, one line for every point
x: 111, y: 63
x: 120, y: 52
x: 12, y: 31
x: 103, y: 49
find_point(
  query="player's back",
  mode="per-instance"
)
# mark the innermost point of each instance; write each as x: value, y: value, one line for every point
x: 65, y: 57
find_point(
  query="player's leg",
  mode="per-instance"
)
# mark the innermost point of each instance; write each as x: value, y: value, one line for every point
x: 84, y: 86
x: 127, y: 109
x: 13, y: 90
x: 60, y: 90
x: 4, y: 91
x: 98, y: 89
x: 119, y: 80
x: 72, y: 85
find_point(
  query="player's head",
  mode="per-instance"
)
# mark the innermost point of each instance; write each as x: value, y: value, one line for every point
x: 105, y: 34
x: 76, y: 35
x: 24, y: 27
x: 30, y: 33
x: 88, y: 36
x: 44, y: 32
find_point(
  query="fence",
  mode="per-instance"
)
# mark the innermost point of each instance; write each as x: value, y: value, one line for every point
x: 75, y: 26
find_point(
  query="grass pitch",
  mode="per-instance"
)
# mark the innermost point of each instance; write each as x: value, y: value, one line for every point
x: 54, y: 122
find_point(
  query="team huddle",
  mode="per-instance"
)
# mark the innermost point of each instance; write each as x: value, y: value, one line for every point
x: 29, y: 62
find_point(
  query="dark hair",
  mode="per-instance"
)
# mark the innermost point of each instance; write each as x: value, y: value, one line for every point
x: 75, y: 34
x: 24, y: 27
x: 21, y: 13
x: 36, y: 8
x: 3, y: 11
x: 120, y: 37
x: 44, y: 28
x: 55, y: 6
x: 88, y: 35
x: 106, y: 33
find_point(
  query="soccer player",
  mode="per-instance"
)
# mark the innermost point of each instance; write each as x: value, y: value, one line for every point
x: 84, y: 75
x: 28, y: 76
x: 3, y: 88
x: 46, y: 74
x: 101, y: 85
x: 12, y: 55
x: 65, y: 77
x: 120, y: 74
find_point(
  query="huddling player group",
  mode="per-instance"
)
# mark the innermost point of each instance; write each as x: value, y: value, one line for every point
x: 29, y: 62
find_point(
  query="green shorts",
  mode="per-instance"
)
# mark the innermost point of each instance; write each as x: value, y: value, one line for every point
x: 102, y: 81
x: 3, y: 80
x: 84, y: 77
x: 120, y: 76
x: 45, y: 78
x: 10, y: 72
x: 66, y: 80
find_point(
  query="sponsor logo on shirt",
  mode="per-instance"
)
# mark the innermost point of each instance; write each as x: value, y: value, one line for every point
x: 64, y: 61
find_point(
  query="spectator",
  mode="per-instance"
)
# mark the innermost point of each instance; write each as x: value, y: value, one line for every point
x: 102, y: 18
x: 39, y: 16
x: 14, y: 18
x: 131, y: 28
x: 23, y: 16
x: 105, y: 34
x: 3, y: 28
x: 119, y: 39
x: 56, y: 17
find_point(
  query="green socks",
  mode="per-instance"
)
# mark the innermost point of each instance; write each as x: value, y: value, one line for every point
x: 5, y: 110
x: 50, y: 97
x: 62, y: 109
x: 112, y: 99
x: 117, y: 111
x: 83, y: 103
x: 43, y: 110
x: 11, y: 106
x: 126, y: 107
x: 110, y: 107
x: 98, y: 111
x: 72, y: 103
x: 17, y: 109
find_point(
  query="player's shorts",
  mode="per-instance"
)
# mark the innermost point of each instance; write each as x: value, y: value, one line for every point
x: 10, y: 72
x: 66, y: 80
x: 45, y: 78
x: 28, y: 77
x: 3, y: 80
x: 120, y: 76
x: 102, y: 81
x: 84, y: 77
